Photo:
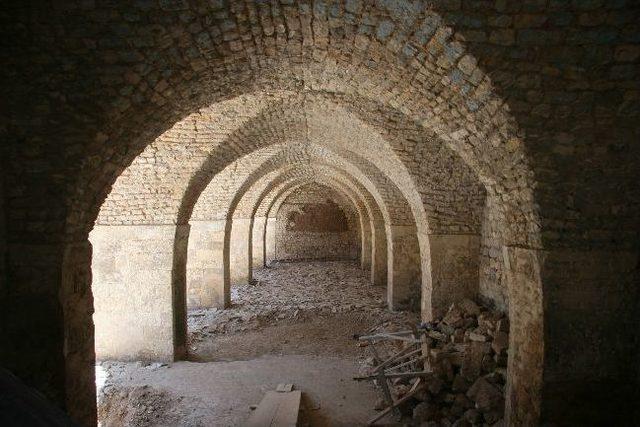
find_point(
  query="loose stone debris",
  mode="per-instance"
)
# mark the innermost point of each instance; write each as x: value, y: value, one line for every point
x: 137, y: 406
x: 292, y: 292
x: 316, y: 306
x: 450, y: 372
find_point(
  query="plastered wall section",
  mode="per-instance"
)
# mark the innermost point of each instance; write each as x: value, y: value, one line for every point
x: 133, y: 291
x: 378, y: 253
x: 365, y: 244
x: 240, y: 268
x: 257, y: 242
x: 270, y: 241
x: 205, y: 272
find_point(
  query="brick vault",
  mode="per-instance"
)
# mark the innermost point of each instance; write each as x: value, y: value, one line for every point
x: 472, y: 149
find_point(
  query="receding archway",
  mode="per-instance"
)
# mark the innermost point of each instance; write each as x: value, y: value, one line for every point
x: 454, y: 137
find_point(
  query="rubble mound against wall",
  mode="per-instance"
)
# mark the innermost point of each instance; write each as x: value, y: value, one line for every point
x: 138, y: 406
x: 465, y: 357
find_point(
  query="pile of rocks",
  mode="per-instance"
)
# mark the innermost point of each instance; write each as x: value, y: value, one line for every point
x: 465, y: 354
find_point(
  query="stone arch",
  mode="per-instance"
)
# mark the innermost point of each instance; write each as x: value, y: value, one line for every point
x: 426, y: 23
x: 213, y: 202
x: 334, y: 234
x: 448, y: 64
x: 292, y: 156
x: 378, y: 236
x: 438, y: 295
x: 181, y: 232
x: 417, y: 39
x: 207, y: 282
x: 389, y: 217
x: 387, y: 238
x: 277, y: 197
x: 186, y: 208
x: 259, y: 223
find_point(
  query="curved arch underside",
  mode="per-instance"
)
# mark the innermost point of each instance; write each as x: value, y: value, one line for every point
x: 472, y: 141
x: 421, y: 179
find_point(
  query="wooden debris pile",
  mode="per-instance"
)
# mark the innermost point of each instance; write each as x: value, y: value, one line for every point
x: 451, y: 372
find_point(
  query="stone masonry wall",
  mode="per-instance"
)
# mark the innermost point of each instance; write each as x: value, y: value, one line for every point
x: 492, y: 282
x: 302, y: 234
x: 133, y: 284
x: 539, y: 98
x: 205, y: 270
x: 3, y: 240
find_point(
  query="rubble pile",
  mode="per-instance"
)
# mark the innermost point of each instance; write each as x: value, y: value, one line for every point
x: 292, y: 292
x: 463, y: 374
x: 140, y: 405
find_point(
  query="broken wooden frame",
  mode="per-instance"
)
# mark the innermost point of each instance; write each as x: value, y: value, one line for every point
x: 395, y: 366
x: 414, y: 389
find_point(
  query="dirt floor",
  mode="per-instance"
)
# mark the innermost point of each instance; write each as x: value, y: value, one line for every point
x: 294, y: 324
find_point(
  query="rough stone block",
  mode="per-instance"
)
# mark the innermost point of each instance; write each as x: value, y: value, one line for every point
x: 472, y: 362
x: 485, y: 395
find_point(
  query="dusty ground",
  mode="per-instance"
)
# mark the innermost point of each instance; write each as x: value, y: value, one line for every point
x: 294, y: 324
x: 292, y: 308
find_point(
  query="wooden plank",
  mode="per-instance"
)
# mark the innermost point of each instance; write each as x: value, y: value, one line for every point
x: 284, y: 387
x: 382, y: 382
x: 389, y: 337
x: 407, y: 352
x: 266, y: 410
x: 385, y: 335
x: 408, y: 362
x: 398, y: 375
x: 277, y: 409
x: 287, y: 414
x: 394, y: 406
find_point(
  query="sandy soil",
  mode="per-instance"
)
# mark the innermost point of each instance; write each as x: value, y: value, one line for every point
x: 220, y: 393
x: 295, y: 324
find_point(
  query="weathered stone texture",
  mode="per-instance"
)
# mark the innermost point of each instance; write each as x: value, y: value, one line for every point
x: 379, y: 253
x: 454, y: 272
x: 404, y: 288
x: 78, y: 309
x: 257, y: 242
x: 239, y: 237
x: 3, y: 241
x: 591, y: 305
x: 493, y: 284
x: 336, y: 237
x: 135, y: 284
x: 205, y: 269
x: 430, y: 106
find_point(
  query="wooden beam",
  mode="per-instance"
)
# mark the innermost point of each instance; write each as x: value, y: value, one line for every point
x: 398, y: 402
x: 277, y: 409
x: 398, y: 375
x: 399, y: 356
